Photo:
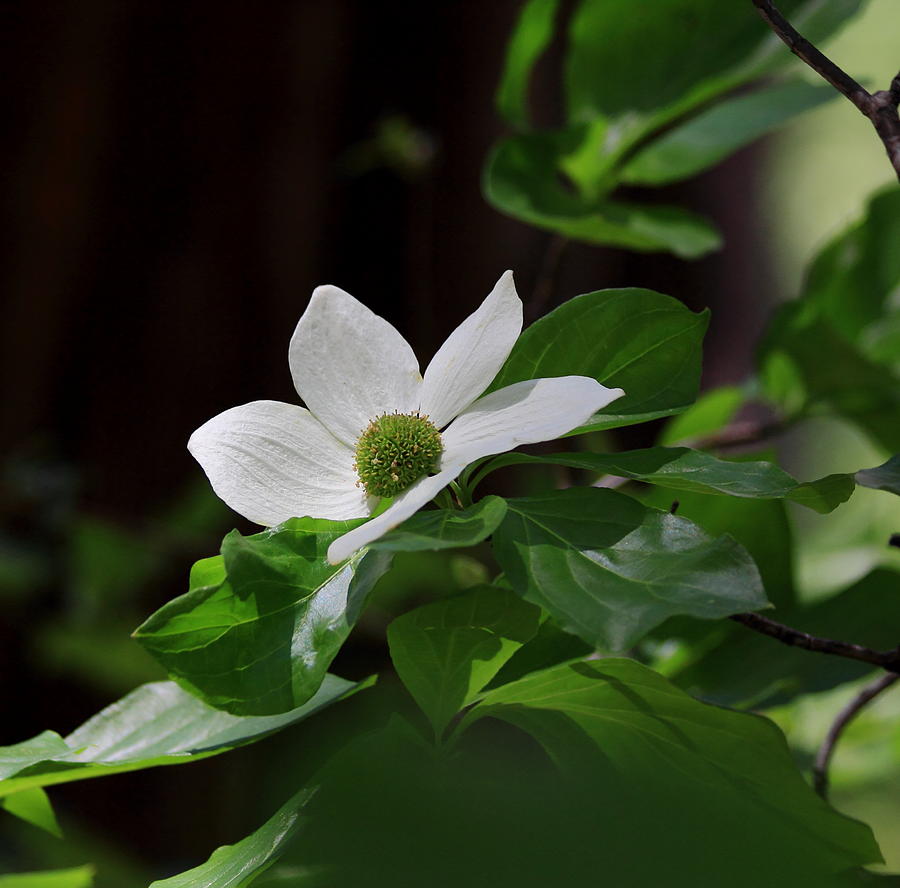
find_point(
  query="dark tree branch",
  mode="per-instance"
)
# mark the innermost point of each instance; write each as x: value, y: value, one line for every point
x: 879, y: 107
x: 844, y: 717
x: 889, y: 660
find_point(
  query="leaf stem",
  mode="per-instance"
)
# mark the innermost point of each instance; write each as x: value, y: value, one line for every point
x: 844, y: 717
x: 879, y: 107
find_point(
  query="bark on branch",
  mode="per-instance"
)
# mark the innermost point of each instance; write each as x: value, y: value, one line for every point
x: 844, y: 717
x: 879, y: 107
x: 888, y: 660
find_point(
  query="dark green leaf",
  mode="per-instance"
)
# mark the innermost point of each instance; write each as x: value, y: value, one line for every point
x: 609, y: 569
x: 883, y: 477
x: 445, y: 529
x: 234, y: 866
x: 644, y: 342
x: 76, y: 877
x: 531, y: 36
x: 523, y: 178
x: 33, y: 806
x: 713, y: 135
x: 719, y: 785
x: 753, y: 670
x: 833, y: 373
x: 679, y: 468
x: 156, y: 724
x: 257, y: 630
x: 446, y: 652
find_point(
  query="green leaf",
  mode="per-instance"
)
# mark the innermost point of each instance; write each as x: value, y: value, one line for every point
x: 156, y: 724
x: 679, y: 468
x: 760, y: 526
x: 235, y: 866
x: 713, y: 789
x: 76, y: 877
x: 33, y: 806
x: 639, y: 340
x: 446, y: 652
x: 632, y: 71
x: 713, y: 135
x: 749, y: 669
x: 711, y: 412
x: 883, y: 477
x: 852, y: 280
x: 256, y: 632
x: 530, y: 37
x: 609, y: 569
x: 445, y: 529
x: 523, y: 178
x: 833, y: 373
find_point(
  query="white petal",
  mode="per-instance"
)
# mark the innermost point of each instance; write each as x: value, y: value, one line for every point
x: 473, y: 354
x: 349, y: 365
x: 405, y: 505
x: 271, y: 461
x: 524, y: 413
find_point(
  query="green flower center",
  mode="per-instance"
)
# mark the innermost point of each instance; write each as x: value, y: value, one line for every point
x: 396, y: 450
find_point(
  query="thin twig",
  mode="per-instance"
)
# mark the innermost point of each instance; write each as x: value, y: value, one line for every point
x: 879, y: 107
x: 741, y: 434
x: 889, y: 660
x: 844, y: 717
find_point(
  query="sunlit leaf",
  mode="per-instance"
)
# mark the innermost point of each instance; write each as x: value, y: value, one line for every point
x: 234, y: 866
x: 156, y: 724
x: 646, y: 343
x: 33, y: 806
x: 259, y: 627
x: 76, y: 877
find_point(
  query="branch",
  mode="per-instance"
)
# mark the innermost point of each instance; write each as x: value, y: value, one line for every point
x: 889, y: 660
x: 844, y: 717
x: 879, y: 107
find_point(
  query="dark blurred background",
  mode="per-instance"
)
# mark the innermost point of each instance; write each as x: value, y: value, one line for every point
x: 179, y: 178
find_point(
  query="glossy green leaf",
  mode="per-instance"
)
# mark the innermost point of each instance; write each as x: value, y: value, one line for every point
x: 609, y: 569
x: 531, y: 36
x: 446, y: 652
x: 234, y: 866
x: 257, y: 630
x: 33, y: 806
x: 156, y: 724
x: 749, y: 669
x: 883, y: 477
x: 760, y: 526
x: 711, y: 412
x: 713, y: 135
x: 646, y: 343
x: 523, y: 178
x: 444, y: 528
x: 679, y: 468
x: 713, y: 789
x: 75, y: 877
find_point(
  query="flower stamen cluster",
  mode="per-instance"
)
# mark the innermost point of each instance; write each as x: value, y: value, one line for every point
x: 395, y: 451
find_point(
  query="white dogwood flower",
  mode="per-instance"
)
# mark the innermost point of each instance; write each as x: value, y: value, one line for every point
x: 373, y: 426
